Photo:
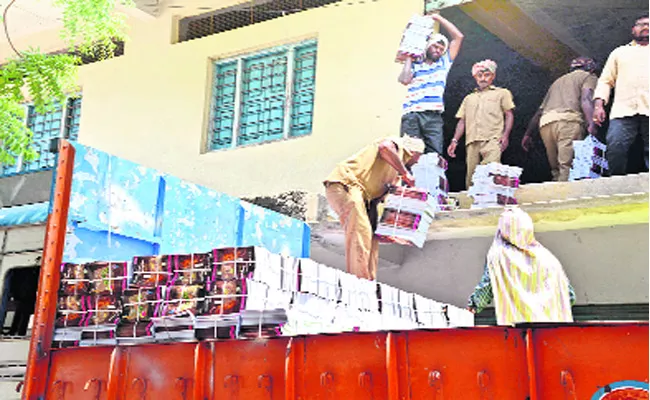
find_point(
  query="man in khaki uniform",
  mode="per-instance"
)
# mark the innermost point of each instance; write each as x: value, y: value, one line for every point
x: 563, y: 115
x: 360, y: 180
x: 487, y: 114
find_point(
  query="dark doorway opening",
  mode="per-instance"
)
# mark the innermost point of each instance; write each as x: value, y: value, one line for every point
x: 18, y: 300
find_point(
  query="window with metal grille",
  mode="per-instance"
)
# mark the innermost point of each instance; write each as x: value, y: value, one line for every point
x: 263, y: 97
x: 61, y: 122
x: 248, y: 13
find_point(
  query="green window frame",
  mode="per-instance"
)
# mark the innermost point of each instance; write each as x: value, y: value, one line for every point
x: 263, y: 97
x: 61, y: 122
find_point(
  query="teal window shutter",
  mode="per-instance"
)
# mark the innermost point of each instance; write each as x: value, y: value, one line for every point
x: 263, y: 96
x: 223, y: 105
x: 72, y: 118
x: 304, y: 83
x: 45, y: 127
x: 59, y: 122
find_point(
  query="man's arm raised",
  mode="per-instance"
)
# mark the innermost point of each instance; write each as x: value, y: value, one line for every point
x: 456, y: 35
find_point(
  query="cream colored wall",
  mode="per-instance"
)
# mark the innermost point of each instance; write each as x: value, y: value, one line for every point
x: 150, y: 105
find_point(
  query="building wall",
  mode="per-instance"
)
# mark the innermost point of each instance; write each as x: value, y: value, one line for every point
x: 151, y: 105
x: 605, y: 264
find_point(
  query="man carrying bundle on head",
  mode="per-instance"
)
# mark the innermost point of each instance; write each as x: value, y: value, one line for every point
x: 426, y: 80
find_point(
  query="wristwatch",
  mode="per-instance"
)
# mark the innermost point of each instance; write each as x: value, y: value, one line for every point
x: 454, y: 140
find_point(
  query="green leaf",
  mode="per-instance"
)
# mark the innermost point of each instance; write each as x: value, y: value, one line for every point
x: 90, y: 27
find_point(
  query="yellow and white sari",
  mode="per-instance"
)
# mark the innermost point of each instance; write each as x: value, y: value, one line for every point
x: 528, y: 282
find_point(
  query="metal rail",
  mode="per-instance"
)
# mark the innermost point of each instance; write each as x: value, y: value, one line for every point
x: 45, y: 311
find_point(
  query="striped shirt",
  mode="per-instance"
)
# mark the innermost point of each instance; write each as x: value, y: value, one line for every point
x: 428, y: 85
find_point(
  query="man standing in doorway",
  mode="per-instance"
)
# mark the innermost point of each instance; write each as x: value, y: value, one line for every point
x: 627, y: 70
x: 563, y: 114
x: 426, y: 80
x: 360, y: 182
x: 487, y: 115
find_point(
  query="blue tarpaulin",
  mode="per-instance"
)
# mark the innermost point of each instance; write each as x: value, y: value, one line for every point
x: 27, y: 214
x: 119, y: 209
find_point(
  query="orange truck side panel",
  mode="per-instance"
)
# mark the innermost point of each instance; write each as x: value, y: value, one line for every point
x: 572, y: 362
x: 479, y: 363
x: 568, y: 362
x: 80, y: 373
x: 343, y: 367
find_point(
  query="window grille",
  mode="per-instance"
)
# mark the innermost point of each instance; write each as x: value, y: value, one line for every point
x: 241, y: 15
x: 61, y: 122
x: 263, y: 97
x: 72, y: 117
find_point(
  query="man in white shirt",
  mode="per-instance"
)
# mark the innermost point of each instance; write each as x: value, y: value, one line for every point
x: 627, y: 70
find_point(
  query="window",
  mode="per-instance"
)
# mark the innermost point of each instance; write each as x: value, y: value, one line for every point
x: 263, y: 97
x: 248, y: 13
x: 62, y: 122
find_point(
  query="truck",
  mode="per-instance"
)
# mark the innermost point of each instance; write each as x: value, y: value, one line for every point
x: 92, y: 215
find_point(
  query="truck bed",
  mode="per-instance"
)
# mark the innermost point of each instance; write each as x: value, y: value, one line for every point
x: 573, y: 361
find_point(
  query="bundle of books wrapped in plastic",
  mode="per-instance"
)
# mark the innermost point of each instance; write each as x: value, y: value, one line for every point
x: 415, y: 38
x: 203, y: 296
x: 407, y: 215
x: 89, y: 304
x: 494, y: 185
x: 430, y: 174
x: 332, y: 301
x: 589, y: 160
x: 229, y: 293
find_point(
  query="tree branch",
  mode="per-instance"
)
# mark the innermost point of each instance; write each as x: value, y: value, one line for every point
x: 4, y: 23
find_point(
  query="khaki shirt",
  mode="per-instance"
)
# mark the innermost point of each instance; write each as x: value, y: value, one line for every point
x: 483, y: 113
x: 563, y: 99
x: 368, y: 170
x: 627, y: 70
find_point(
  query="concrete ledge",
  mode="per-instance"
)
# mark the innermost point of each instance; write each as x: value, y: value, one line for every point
x: 554, y: 206
x: 537, y: 193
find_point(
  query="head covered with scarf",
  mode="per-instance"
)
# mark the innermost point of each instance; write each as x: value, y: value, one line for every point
x: 485, y: 65
x: 528, y: 282
x: 439, y: 38
x: 584, y: 63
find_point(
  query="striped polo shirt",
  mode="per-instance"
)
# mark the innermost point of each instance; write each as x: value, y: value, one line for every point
x: 428, y: 85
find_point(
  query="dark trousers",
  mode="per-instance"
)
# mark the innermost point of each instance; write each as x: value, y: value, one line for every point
x: 621, y: 134
x: 426, y: 125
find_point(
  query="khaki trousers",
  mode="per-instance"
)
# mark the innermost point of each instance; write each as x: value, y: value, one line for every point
x: 361, y: 247
x: 483, y: 152
x: 558, y: 139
